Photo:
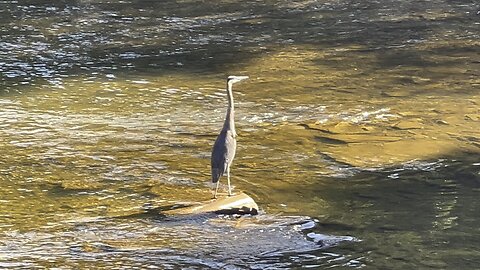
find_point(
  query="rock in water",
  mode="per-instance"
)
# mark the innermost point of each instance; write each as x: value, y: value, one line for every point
x: 236, y: 204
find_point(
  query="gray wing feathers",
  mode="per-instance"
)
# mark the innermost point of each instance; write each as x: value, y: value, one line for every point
x: 223, y: 153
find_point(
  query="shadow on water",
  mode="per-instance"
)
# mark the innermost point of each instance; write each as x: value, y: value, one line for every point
x: 419, y: 204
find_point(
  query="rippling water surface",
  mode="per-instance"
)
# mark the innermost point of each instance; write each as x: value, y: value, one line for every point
x: 359, y: 133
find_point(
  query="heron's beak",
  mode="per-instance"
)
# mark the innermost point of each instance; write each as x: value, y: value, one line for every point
x: 235, y: 79
x: 241, y: 78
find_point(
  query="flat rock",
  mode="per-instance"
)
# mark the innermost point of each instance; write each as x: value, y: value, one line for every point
x: 356, y: 138
x: 340, y: 128
x: 236, y: 204
x: 366, y: 155
x: 472, y: 117
x: 409, y: 124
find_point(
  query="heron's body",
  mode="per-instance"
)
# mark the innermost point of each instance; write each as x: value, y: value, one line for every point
x: 225, y: 146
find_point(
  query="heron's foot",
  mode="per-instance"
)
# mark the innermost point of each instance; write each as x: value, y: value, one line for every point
x: 223, y: 194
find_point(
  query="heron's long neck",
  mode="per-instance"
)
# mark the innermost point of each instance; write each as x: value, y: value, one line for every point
x: 229, y: 119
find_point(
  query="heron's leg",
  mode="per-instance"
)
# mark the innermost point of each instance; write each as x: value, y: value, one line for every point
x: 228, y: 180
x: 216, y: 189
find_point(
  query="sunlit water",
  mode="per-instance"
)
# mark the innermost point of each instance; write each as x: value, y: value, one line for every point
x: 359, y: 133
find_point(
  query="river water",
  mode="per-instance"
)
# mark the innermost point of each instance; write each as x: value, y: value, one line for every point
x: 359, y: 133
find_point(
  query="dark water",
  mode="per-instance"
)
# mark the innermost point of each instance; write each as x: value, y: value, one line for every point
x: 359, y: 133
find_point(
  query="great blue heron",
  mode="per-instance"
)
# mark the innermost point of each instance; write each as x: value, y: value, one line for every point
x: 225, y: 145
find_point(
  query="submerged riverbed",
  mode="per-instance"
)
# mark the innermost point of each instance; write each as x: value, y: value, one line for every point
x: 359, y: 133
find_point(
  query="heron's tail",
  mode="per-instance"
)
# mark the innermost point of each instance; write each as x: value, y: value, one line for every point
x: 216, y: 173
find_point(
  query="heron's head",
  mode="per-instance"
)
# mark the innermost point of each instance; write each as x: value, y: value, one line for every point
x: 235, y: 79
